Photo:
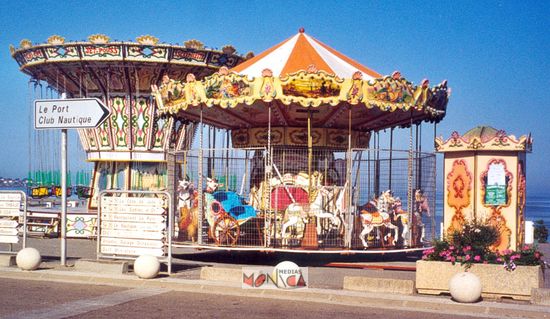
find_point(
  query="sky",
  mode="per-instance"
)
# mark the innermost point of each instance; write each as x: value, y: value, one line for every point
x: 493, y: 53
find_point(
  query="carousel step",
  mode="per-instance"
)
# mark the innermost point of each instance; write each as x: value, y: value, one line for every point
x: 381, y: 285
x: 102, y: 266
x: 222, y: 274
x: 7, y: 260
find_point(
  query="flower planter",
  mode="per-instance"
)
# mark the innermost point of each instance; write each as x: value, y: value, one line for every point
x: 432, y: 277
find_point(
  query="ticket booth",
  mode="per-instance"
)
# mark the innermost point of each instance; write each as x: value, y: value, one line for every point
x: 484, y: 180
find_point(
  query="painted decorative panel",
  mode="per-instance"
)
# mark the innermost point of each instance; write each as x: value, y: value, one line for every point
x: 141, y: 123
x: 185, y: 56
x: 34, y: 56
x: 101, y: 52
x: 119, y: 121
x: 459, y: 185
x: 147, y: 53
x: 81, y: 226
x: 62, y: 53
x: 161, y: 133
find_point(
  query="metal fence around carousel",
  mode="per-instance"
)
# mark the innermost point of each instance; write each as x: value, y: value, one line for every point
x: 291, y: 199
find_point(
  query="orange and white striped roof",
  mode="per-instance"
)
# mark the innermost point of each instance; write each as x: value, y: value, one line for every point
x: 298, y: 53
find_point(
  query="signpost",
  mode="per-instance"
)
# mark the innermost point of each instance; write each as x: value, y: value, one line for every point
x: 133, y: 223
x: 13, y: 217
x: 68, y: 114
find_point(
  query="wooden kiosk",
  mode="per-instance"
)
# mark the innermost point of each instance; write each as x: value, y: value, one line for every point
x: 484, y: 172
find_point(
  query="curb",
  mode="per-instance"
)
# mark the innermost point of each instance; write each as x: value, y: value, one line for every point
x: 430, y: 304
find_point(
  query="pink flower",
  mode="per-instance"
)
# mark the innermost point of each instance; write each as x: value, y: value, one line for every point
x: 525, y: 247
x: 514, y: 257
x: 467, y: 257
x: 451, y: 247
x: 499, y: 259
x: 537, y: 255
x: 466, y: 249
x: 453, y: 259
x: 477, y: 258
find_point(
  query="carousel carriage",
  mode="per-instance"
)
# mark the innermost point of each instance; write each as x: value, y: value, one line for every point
x: 308, y: 120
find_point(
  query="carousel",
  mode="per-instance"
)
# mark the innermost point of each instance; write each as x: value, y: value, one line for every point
x: 300, y: 166
x: 128, y: 151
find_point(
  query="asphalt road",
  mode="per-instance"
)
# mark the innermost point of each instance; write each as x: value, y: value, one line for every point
x: 37, y: 299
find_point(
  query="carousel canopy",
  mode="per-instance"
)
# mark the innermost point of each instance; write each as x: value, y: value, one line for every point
x: 299, y: 53
x: 121, y: 74
x: 484, y: 138
x: 298, y: 80
x: 100, y: 66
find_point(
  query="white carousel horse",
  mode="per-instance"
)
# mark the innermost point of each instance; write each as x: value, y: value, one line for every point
x: 327, y: 205
x: 295, y: 216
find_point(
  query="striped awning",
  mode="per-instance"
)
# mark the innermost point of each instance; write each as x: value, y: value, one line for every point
x: 301, y: 52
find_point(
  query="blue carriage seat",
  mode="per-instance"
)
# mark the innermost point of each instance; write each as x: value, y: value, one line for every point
x: 233, y: 204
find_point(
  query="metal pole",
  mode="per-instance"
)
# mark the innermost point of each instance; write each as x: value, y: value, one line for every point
x: 64, y: 197
x: 170, y: 229
x: 309, y: 155
x: 201, y: 204
x: 391, y: 157
x: 63, y: 193
x: 227, y: 161
x: 349, y: 164
x: 410, y: 195
x: 268, y: 173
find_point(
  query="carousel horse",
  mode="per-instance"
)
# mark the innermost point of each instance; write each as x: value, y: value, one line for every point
x: 188, y: 206
x: 212, y: 185
x: 188, y: 210
x: 421, y: 207
x: 375, y: 214
x: 295, y: 217
x: 327, y: 206
x: 399, y: 213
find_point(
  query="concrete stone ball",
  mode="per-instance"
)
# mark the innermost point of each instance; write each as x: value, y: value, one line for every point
x: 146, y: 266
x: 28, y: 259
x: 465, y: 287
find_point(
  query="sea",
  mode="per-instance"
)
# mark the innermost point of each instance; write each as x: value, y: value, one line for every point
x: 537, y: 207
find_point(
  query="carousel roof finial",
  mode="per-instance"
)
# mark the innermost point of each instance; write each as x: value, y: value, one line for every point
x: 25, y: 44
x: 56, y: 40
x: 99, y: 38
x: 302, y: 30
x: 147, y: 40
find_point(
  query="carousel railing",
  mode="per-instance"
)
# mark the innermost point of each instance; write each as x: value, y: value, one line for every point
x: 313, y: 201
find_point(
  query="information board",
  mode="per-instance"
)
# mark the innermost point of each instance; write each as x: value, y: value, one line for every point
x: 134, y: 224
x: 12, y: 216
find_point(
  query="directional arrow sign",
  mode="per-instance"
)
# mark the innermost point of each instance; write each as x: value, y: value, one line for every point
x: 69, y: 113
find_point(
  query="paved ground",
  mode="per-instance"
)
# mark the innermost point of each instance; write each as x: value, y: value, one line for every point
x: 187, y: 262
x: 37, y: 299
x: 70, y: 292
